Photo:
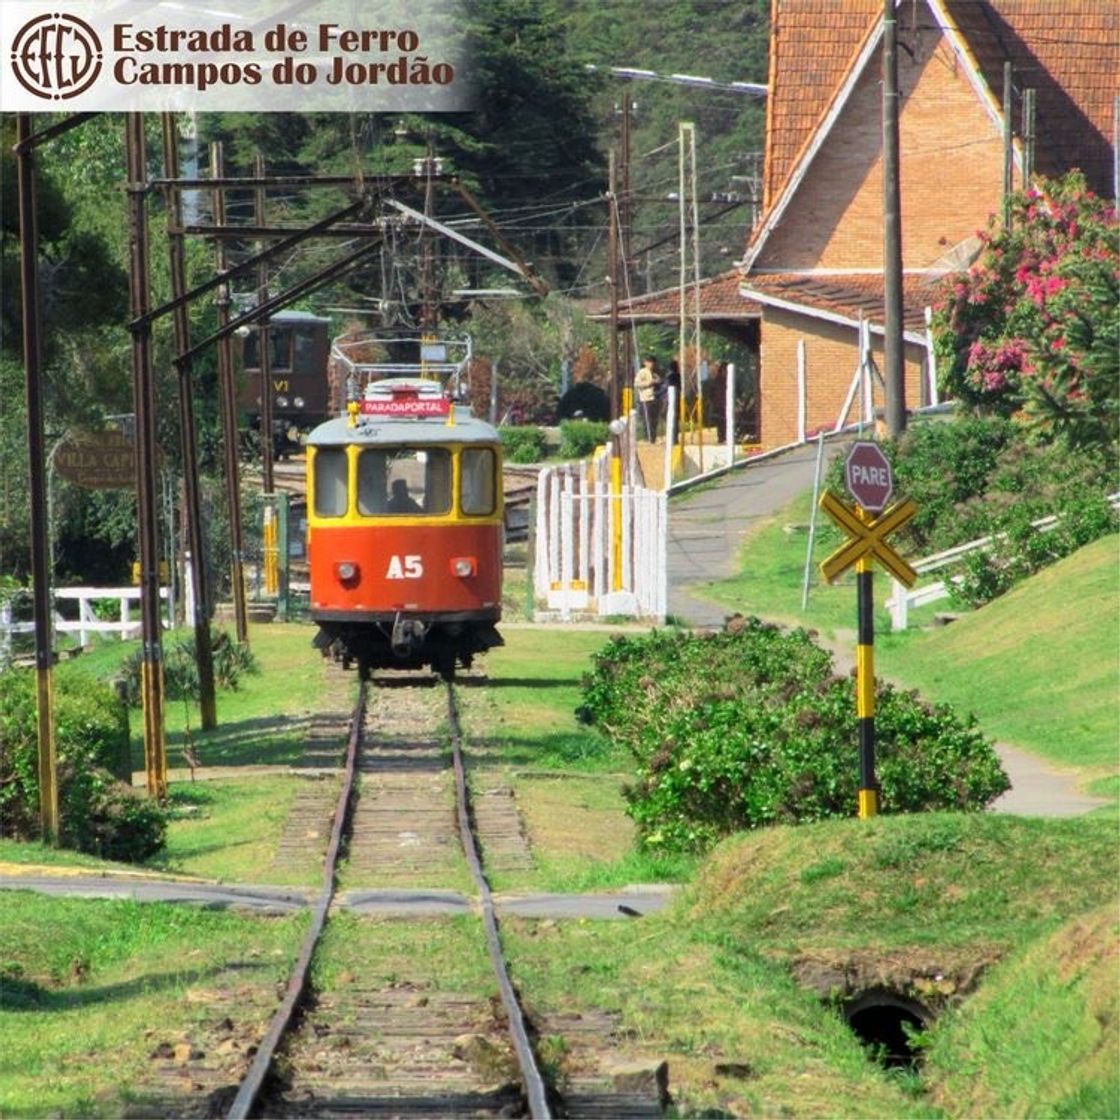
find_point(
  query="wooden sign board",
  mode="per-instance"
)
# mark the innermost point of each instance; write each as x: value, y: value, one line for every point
x: 97, y: 460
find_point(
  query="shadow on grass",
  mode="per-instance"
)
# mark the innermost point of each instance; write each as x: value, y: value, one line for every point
x: 587, y: 750
x: 262, y: 741
x: 18, y: 994
x: 518, y: 682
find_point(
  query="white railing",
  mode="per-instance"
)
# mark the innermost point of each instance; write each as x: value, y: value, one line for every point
x: 600, y: 553
x: 902, y: 600
x: 87, y: 623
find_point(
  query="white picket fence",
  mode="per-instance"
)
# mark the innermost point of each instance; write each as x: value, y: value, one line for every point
x: 600, y: 554
x: 87, y: 623
x: 902, y: 600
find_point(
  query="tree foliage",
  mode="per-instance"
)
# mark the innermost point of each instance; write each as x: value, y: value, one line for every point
x: 1035, y: 324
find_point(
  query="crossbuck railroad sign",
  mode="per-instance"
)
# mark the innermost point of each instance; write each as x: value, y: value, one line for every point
x: 868, y: 538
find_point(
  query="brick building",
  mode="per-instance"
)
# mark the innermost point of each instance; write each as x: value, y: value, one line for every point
x: 811, y: 279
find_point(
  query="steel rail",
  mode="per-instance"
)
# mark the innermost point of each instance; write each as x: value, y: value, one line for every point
x: 535, y: 1089
x: 254, y: 1080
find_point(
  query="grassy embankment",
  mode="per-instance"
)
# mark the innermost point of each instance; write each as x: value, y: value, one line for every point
x: 917, y: 904
x: 1037, y: 666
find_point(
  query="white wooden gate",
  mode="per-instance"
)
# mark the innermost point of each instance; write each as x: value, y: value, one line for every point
x: 599, y: 553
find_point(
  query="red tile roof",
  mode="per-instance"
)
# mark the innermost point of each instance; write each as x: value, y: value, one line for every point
x: 719, y: 299
x: 1068, y: 51
x: 844, y: 295
x: 812, y: 44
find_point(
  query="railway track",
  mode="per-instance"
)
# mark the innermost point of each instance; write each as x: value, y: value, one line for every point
x: 418, y: 1019
x: 402, y: 1047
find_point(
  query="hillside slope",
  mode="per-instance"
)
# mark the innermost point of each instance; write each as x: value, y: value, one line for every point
x: 1038, y: 666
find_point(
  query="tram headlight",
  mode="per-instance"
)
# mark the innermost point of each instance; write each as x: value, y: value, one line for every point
x: 347, y: 571
x: 281, y: 402
x: 298, y: 402
x: 463, y: 566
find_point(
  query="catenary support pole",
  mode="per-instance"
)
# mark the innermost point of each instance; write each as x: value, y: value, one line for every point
x: 37, y: 472
x: 893, y: 371
x: 1008, y: 148
x: 265, y: 340
x: 615, y: 395
x: 143, y: 388
x: 192, y: 490
x: 229, y: 415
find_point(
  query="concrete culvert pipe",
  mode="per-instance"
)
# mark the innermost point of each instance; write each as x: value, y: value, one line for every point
x: 882, y: 1021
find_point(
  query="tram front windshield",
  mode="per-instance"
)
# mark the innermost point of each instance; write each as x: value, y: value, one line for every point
x: 404, y: 481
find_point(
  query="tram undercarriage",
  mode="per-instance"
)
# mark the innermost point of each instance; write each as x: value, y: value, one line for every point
x: 406, y: 641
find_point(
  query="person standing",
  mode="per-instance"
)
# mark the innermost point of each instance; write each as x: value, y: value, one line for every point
x: 647, y: 383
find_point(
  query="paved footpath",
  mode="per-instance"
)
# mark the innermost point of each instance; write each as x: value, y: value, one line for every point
x: 706, y: 530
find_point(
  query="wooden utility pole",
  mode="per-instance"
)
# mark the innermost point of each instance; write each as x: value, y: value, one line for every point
x: 629, y: 365
x: 229, y: 410
x: 1008, y: 149
x: 204, y: 655
x: 893, y: 368
x: 40, y: 529
x: 615, y: 393
x: 144, y: 403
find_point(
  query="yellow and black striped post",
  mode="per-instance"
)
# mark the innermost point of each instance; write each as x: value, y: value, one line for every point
x: 865, y: 690
x: 866, y: 543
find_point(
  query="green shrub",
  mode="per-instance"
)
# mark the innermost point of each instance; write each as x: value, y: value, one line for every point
x: 980, y: 476
x: 97, y: 813
x: 232, y: 660
x: 749, y: 728
x: 523, y: 445
x: 579, y: 438
x: 1023, y: 549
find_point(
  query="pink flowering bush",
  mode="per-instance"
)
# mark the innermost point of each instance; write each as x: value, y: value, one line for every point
x: 1034, y: 325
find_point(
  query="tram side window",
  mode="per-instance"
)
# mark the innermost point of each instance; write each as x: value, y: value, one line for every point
x: 477, y: 475
x: 404, y: 480
x: 303, y: 347
x: 330, y: 482
x: 280, y: 347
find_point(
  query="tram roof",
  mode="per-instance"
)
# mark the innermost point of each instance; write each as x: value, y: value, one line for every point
x: 374, y: 430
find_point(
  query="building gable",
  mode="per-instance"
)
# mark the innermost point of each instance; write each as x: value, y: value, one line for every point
x: 950, y: 60
x: 951, y: 166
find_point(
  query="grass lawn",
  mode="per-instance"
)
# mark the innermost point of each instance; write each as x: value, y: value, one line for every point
x: 265, y: 721
x: 85, y: 1011
x: 522, y: 731
x: 772, y: 571
x: 1039, y: 665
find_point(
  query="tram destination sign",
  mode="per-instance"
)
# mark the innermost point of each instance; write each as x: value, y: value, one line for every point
x: 97, y: 460
x: 405, y: 404
x: 867, y: 473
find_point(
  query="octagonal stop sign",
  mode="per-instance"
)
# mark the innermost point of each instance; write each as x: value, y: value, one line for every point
x: 867, y: 472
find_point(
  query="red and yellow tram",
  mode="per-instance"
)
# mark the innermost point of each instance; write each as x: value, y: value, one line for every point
x: 405, y: 531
